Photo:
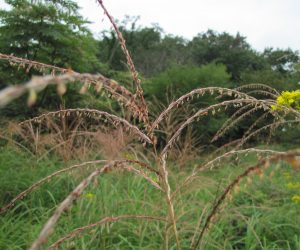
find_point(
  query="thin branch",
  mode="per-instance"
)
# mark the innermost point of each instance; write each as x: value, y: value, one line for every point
x: 262, y: 92
x: 144, y: 175
x: 234, y: 122
x: 36, y: 84
x: 48, y: 227
x: 234, y: 116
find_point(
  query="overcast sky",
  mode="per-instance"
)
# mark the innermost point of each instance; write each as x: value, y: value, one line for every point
x: 265, y: 23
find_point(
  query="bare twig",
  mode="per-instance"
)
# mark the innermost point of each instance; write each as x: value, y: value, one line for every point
x: 36, y: 84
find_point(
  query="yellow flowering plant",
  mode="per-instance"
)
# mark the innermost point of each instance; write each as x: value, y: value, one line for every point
x: 296, y: 198
x: 288, y: 98
x: 293, y: 185
x: 89, y: 196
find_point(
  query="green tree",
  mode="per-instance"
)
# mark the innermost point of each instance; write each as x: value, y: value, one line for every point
x: 232, y: 51
x: 152, y: 51
x: 281, y: 60
x: 51, y: 32
x: 281, y: 70
x: 48, y: 31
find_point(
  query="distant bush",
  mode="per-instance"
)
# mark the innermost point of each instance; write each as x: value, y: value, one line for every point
x: 181, y: 79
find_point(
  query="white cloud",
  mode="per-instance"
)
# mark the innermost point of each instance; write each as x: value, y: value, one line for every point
x: 265, y: 23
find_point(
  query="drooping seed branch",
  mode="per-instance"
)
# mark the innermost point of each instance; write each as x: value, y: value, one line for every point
x: 91, y: 113
x: 144, y: 116
x: 198, y: 92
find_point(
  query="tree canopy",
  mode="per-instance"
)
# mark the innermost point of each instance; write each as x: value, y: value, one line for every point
x: 52, y: 32
x: 48, y: 31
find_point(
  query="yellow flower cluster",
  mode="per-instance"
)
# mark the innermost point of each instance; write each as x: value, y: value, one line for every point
x: 89, y: 196
x: 288, y: 98
x: 293, y: 185
x: 296, y: 198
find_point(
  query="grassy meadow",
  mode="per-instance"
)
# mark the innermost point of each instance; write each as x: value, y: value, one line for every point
x: 261, y: 214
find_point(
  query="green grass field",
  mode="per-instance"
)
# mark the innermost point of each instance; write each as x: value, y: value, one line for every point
x: 261, y: 215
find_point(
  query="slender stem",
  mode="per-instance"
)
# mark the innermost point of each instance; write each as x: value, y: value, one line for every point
x: 167, y: 189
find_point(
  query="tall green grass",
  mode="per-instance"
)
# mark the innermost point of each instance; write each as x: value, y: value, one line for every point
x: 261, y: 215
